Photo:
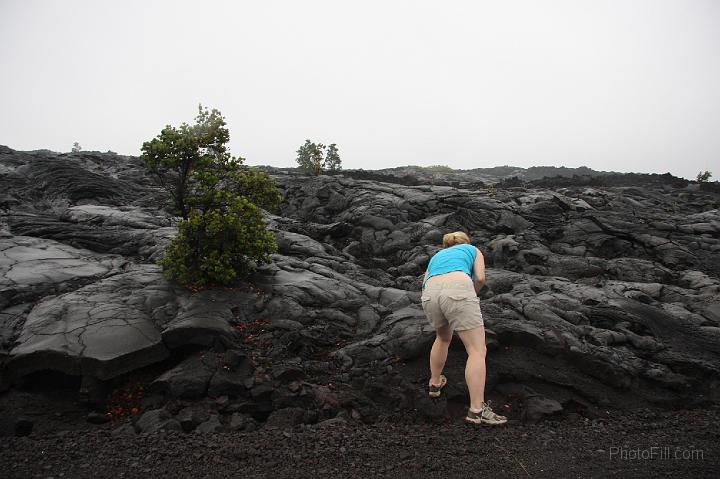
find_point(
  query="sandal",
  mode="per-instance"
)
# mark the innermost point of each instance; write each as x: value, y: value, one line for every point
x: 435, y: 390
x: 485, y: 416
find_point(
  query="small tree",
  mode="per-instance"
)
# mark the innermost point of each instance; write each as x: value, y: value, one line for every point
x: 332, y: 159
x: 310, y: 157
x: 313, y: 159
x: 177, y: 153
x: 223, y: 231
x: 703, y: 177
x: 76, y: 148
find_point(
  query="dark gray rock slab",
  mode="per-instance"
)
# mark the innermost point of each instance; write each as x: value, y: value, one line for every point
x: 103, y: 329
x: 31, y: 268
x: 120, y: 323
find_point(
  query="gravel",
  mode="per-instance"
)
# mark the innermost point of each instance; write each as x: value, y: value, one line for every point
x: 572, y: 447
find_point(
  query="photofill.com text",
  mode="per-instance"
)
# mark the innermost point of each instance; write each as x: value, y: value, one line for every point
x: 656, y: 452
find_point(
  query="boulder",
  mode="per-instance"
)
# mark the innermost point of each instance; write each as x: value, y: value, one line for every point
x: 210, y: 426
x: 157, y: 420
x: 536, y: 408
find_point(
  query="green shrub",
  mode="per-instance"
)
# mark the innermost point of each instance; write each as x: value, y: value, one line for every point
x: 703, y: 177
x: 223, y: 235
x: 313, y: 158
x: 219, y: 246
x: 492, y: 192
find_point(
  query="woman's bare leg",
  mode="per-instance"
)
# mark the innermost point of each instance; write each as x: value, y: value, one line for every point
x: 474, y: 341
x: 439, y: 352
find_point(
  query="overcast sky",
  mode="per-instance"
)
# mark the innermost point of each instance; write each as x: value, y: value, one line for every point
x: 614, y: 85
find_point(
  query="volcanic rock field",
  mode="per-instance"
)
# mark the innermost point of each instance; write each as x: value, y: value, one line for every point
x: 600, y: 300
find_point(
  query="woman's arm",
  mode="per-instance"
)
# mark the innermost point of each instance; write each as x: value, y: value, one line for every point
x: 479, y: 272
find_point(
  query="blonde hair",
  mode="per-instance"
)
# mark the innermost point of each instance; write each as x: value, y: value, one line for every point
x: 458, y: 237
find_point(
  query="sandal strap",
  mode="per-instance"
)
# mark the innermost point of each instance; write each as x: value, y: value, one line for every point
x: 492, y: 414
x: 443, y: 381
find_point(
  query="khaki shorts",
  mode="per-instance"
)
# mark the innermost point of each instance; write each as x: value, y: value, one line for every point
x: 455, y: 304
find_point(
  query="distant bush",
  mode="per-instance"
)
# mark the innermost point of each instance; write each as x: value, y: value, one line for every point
x: 313, y: 158
x: 703, y: 177
x: 491, y: 190
x: 76, y: 148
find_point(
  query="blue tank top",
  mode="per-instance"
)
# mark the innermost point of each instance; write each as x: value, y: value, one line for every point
x: 460, y: 257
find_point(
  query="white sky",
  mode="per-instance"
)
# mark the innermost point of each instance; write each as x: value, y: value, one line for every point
x: 625, y: 85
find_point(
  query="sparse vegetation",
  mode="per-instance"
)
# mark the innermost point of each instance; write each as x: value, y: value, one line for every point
x: 313, y: 158
x: 223, y: 234
x: 703, y: 177
x: 76, y: 148
x: 491, y: 190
